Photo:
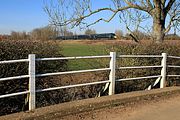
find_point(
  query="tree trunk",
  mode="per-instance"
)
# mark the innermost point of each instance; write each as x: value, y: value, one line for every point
x: 158, y: 31
x: 159, y: 16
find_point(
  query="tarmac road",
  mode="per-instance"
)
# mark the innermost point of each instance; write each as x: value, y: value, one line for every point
x: 157, y: 104
x: 162, y: 110
x: 166, y: 110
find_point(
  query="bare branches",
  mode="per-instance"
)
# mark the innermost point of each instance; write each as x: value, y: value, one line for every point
x: 81, y: 9
x: 150, y: 6
x: 73, y: 13
x: 102, y: 19
x: 136, y: 6
x: 169, y: 5
x: 133, y: 22
x: 79, y: 15
x: 174, y: 15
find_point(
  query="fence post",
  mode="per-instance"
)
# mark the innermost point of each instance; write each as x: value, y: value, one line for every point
x: 163, y: 71
x: 32, y: 92
x: 112, y: 73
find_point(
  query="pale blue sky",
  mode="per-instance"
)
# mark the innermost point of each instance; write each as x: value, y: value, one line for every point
x: 21, y: 15
x: 25, y: 15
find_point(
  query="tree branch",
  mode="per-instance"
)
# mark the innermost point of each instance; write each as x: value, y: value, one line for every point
x: 101, y: 19
x: 136, y: 6
x: 149, y: 4
x: 174, y: 16
x: 169, y: 5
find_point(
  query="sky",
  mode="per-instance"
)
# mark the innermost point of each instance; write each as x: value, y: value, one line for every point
x: 21, y: 15
x: 26, y: 15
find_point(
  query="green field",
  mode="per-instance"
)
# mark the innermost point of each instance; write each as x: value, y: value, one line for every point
x: 79, y: 49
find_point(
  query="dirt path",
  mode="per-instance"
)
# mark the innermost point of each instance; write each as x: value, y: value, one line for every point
x: 161, y: 110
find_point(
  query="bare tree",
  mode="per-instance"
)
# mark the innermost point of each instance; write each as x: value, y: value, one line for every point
x: 119, y: 34
x: 164, y: 14
x: 65, y: 32
x: 89, y: 32
x: 19, y: 35
x: 137, y: 35
x: 44, y: 33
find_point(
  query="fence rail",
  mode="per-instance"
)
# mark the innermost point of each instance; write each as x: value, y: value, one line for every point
x: 175, y: 57
x: 72, y: 58
x: 72, y: 72
x: 138, y: 78
x: 14, y: 78
x: 14, y: 94
x: 71, y: 86
x: 173, y: 66
x: 140, y: 67
x: 140, y: 56
x: 13, y: 61
x: 112, y: 70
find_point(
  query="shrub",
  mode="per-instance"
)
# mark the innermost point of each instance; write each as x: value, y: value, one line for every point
x: 20, y: 50
x: 144, y: 49
x: 172, y: 37
x: 12, y: 50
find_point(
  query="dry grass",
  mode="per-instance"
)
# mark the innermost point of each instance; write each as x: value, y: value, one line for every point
x: 97, y: 42
x: 112, y: 42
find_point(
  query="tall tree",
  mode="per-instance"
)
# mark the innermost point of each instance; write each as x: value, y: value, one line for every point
x: 164, y: 14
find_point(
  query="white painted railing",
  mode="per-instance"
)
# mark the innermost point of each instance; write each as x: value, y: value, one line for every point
x: 112, y: 68
x: 173, y: 66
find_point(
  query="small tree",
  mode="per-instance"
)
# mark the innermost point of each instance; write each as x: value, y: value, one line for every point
x: 90, y: 31
x: 19, y: 35
x: 140, y: 35
x: 65, y: 32
x: 119, y: 34
x: 43, y: 33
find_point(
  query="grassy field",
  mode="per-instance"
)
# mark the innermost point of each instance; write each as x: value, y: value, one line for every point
x: 79, y: 49
x: 97, y: 47
x: 89, y: 47
x: 84, y: 48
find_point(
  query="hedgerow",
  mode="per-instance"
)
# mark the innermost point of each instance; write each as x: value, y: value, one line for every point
x: 13, y: 50
x: 144, y: 49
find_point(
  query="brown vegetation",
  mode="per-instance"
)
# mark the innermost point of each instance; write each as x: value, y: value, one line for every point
x: 21, y: 49
x: 89, y: 32
x: 10, y: 50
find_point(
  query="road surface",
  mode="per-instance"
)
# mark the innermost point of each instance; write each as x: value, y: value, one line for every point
x: 168, y: 109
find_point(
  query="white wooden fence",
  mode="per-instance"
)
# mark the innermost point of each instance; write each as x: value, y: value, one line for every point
x: 112, y: 68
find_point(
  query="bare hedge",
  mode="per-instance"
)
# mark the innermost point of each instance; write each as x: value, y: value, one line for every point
x: 12, y: 50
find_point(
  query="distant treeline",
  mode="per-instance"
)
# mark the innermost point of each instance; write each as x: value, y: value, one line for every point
x: 49, y: 32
